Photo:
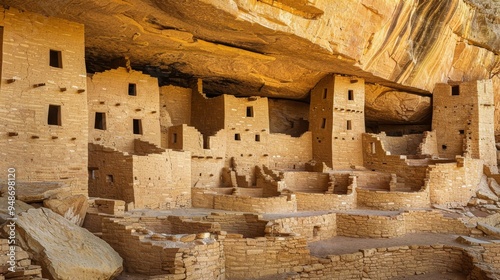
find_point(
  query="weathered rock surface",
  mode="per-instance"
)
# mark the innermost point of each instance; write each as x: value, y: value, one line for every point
x: 19, y: 207
x: 387, y: 105
x: 494, y: 186
x: 72, y: 207
x: 64, y: 250
x: 484, y: 191
x: 38, y: 191
x: 489, y: 230
x: 288, y: 117
x: 283, y: 49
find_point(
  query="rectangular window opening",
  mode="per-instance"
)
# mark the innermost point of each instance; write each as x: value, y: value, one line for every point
x: 100, y: 121
x: 137, y: 126
x: 257, y: 138
x: 325, y: 93
x: 55, y: 59
x: 92, y: 172
x: 455, y: 90
x: 132, y: 89
x: 349, y: 125
x: 323, y: 123
x: 174, y: 138
x: 350, y: 94
x: 250, y: 111
x: 54, y: 117
x: 237, y: 137
x: 372, y: 146
x: 109, y: 178
x: 461, y: 131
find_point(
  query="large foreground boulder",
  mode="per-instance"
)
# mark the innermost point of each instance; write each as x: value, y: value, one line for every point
x: 63, y: 249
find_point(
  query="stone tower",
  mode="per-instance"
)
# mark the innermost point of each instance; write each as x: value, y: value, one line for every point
x: 337, y: 121
x: 463, y: 118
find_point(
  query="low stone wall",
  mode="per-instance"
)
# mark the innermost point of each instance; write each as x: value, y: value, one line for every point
x: 148, y: 254
x: 279, y: 204
x: 370, y: 225
x: 388, y: 263
x: 392, y: 200
x: 319, y: 201
x: 251, y: 258
x: 253, y: 192
x: 302, y: 181
x: 313, y: 228
x: 433, y: 221
x: 204, y: 197
x: 249, y: 225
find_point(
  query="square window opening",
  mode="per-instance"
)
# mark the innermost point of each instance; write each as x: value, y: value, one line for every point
x: 109, y: 178
x: 250, y: 111
x: 455, y: 90
x: 350, y: 94
x: 54, y: 116
x: 323, y: 123
x: 461, y: 131
x: 349, y: 125
x: 100, y: 121
x: 237, y: 137
x: 55, y: 59
x: 137, y: 126
x: 132, y: 89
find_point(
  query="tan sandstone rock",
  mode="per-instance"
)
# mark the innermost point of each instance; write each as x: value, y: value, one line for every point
x: 63, y: 249
x: 72, y: 207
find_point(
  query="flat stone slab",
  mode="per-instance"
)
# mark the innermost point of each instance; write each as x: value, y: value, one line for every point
x: 489, y: 230
x: 30, y: 192
x: 470, y: 240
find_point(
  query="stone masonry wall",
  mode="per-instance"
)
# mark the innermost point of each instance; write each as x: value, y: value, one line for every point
x: 403, y: 145
x: 303, y: 181
x: 147, y: 255
x: 263, y: 256
x: 453, y: 184
x: 279, y: 204
x: 109, y: 94
x: 175, y: 109
x: 38, y: 150
x: 393, y: 200
x: 161, y: 180
x: 377, y: 158
x: 313, y: 228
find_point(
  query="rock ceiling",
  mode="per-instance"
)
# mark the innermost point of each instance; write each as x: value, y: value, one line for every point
x: 281, y: 48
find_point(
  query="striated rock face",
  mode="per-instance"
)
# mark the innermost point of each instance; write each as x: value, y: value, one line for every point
x: 281, y: 48
x: 288, y: 117
x: 385, y: 105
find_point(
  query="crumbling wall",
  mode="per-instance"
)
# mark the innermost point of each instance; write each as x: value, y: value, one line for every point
x: 161, y: 180
x: 313, y: 228
x: 175, y: 109
x: 207, y: 114
x: 40, y: 151
x: 410, y: 173
x: 150, y: 255
x: 249, y: 225
x: 402, y: 145
x: 453, y: 184
x: 130, y: 103
x: 110, y: 173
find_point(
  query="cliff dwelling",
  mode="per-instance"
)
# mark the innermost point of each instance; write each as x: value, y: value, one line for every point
x: 250, y: 140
